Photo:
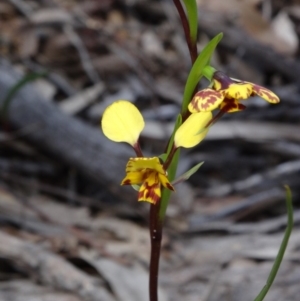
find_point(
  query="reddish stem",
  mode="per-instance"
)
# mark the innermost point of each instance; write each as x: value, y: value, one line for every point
x: 155, y: 222
x: 185, y: 24
x: 155, y: 237
x: 137, y: 149
x: 215, y: 119
x: 170, y: 157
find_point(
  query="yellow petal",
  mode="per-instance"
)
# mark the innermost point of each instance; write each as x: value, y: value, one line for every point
x: 138, y: 164
x: 217, y: 85
x: 134, y: 177
x: 122, y: 122
x: 163, y: 179
x: 193, y: 130
x: 205, y: 100
x: 266, y: 94
x: 239, y: 90
x: 150, y: 190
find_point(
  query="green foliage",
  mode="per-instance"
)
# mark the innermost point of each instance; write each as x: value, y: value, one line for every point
x: 282, y: 248
x: 192, y: 15
x: 166, y: 193
x: 197, y: 70
x: 187, y: 174
x: 15, y: 88
x: 176, y: 126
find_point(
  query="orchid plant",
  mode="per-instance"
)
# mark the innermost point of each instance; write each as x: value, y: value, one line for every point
x: 154, y: 177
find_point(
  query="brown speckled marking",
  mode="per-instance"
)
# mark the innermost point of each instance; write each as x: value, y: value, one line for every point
x: 230, y: 106
x: 170, y: 187
x: 205, y: 100
x: 208, y: 102
x: 126, y: 182
x: 149, y: 194
x: 265, y: 94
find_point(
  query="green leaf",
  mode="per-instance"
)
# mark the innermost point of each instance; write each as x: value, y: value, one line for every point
x: 196, y: 72
x: 163, y: 157
x: 187, y: 174
x: 282, y: 248
x: 192, y: 15
x: 15, y: 88
x: 171, y: 141
x: 166, y: 193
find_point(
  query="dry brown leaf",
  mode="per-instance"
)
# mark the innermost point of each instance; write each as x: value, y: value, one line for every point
x: 127, y: 282
x: 20, y: 290
x: 245, y: 14
x: 127, y: 238
x: 81, y: 100
x: 285, y: 30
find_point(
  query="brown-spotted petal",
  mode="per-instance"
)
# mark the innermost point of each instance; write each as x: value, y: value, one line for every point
x: 134, y: 177
x: 231, y: 106
x: 205, y: 100
x: 150, y: 190
x: 266, y: 94
x: 239, y: 91
x: 163, y: 179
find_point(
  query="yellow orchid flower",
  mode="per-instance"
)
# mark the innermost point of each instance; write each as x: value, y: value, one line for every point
x: 150, y: 173
x: 226, y: 93
x: 122, y: 122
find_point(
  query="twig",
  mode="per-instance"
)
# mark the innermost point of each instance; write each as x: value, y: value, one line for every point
x: 52, y: 269
x: 211, y: 286
x: 72, y: 141
x: 83, y: 54
x: 27, y: 167
x: 264, y: 57
x: 23, y: 7
x: 121, y: 52
x: 80, y: 234
x: 26, y: 130
x: 280, y: 170
x: 55, y: 78
x: 59, y: 192
x: 124, y: 54
x: 284, y: 148
x: 259, y: 199
x: 81, y: 100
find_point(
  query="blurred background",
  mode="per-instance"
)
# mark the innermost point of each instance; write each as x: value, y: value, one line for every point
x: 68, y: 231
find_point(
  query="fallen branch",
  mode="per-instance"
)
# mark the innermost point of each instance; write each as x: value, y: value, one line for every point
x: 51, y: 269
x: 68, y: 139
